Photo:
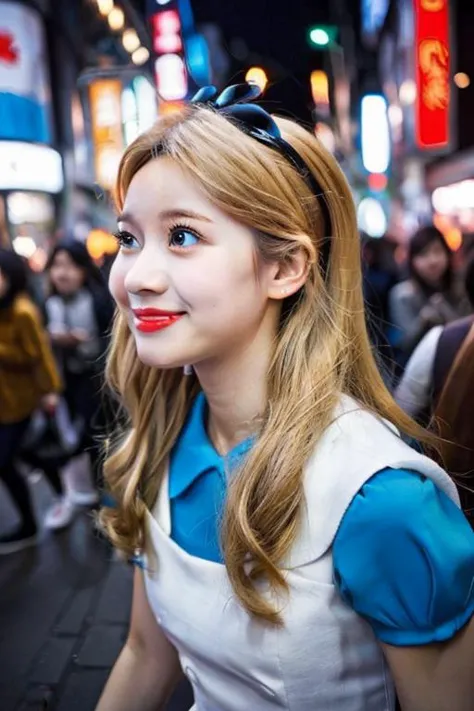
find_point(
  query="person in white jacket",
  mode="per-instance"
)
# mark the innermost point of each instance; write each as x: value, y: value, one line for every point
x: 290, y: 548
x: 428, y: 367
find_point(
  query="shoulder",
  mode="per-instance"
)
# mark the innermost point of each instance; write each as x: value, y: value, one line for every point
x: 396, y: 566
x: 26, y: 310
x: 357, y: 444
x: 53, y: 302
x: 54, y: 308
x: 425, y: 351
x: 458, y: 328
x: 404, y: 291
x: 396, y: 498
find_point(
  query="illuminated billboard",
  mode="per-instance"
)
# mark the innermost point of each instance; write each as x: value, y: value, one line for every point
x: 432, y: 63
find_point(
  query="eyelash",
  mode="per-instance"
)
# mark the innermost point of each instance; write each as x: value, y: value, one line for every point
x: 182, y: 226
x: 125, y: 238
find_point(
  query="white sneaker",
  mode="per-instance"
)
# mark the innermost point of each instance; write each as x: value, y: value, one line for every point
x: 84, y: 498
x: 60, y: 514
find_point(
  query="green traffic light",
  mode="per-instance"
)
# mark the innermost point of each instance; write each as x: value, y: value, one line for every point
x: 319, y: 36
x: 323, y: 35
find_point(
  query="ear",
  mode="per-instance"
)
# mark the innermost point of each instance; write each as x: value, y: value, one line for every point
x: 289, y: 275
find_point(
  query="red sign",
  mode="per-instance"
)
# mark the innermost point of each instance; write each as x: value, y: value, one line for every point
x: 432, y: 63
x: 8, y: 51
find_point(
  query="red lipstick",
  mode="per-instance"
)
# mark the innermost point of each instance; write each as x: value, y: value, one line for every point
x: 149, y: 320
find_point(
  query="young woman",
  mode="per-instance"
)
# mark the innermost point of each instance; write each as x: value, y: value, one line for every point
x: 79, y: 313
x: 292, y: 550
x: 28, y: 379
x: 429, y: 297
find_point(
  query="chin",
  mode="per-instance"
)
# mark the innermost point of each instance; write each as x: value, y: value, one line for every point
x: 149, y: 356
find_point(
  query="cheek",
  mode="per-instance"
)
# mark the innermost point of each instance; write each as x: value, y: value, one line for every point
x: 442, y: 262
x: 117, y: 282
x: 224, y: 297
x: 220, y: 284
x: 420, y: 265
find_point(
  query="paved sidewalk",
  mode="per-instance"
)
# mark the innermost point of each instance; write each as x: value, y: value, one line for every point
x: 64, y: 609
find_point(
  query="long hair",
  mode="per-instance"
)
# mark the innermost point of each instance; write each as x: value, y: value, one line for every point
x: 321, y: 350
x: 424, y: 237
x: 453, y: 420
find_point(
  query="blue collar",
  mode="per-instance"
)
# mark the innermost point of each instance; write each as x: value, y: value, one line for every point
x: 193, y: 454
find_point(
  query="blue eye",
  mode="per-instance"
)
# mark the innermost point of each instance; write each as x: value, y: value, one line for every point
x: 126, y: 240
x: 183, y: 238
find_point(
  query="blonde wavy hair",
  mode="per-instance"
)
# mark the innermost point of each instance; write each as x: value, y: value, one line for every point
x: 322, y: 347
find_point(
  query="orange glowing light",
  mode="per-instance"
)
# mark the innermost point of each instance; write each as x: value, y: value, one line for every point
x: 453, y: 237
x: 258, y: 76
x: 320, y: 87
x: 433, y: 5
x: 441, y: 222
x: 462, y: 80
x: 170, y: 107
x: 99, y: 243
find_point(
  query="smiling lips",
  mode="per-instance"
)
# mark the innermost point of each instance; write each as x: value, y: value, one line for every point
x: 151, y: 320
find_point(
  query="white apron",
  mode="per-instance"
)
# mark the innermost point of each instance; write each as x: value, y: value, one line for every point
x: 325, y: 657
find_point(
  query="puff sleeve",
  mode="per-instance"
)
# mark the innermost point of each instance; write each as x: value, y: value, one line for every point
x: 404, y: 560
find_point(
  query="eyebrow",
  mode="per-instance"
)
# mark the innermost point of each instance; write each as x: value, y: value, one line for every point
x: 167, y: 215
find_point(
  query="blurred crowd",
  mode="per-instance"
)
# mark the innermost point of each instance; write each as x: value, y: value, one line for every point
x: 420, y: 318
x: 52, y: 409
x: 53, y: 340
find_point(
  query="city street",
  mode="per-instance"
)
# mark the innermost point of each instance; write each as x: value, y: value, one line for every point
x: 64, y: 610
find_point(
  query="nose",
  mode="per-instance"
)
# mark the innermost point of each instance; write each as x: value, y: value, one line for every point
x: 147, y: 273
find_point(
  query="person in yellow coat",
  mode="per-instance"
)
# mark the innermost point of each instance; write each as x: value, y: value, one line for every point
x: 28, y: 379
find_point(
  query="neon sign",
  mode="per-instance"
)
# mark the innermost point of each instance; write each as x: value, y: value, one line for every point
x: 432, y: 63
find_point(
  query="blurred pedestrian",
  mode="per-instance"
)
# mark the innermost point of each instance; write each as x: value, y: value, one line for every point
x: 79, y: 312
x: 261, y: 485
x: 429, y: 297
x: 28, y: 379
x: 427, y: 369
x: 439, y: 383
x: 379, y: 277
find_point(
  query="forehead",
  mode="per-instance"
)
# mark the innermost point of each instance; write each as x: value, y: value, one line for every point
x: 63, y: 257
x: 161, y: 184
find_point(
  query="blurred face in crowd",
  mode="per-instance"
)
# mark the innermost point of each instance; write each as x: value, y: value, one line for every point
x: 66, y: 277
x: 3, y: 284
x: 431, y: 263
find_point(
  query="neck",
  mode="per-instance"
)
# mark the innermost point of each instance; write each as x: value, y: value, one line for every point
x: 236, y: 392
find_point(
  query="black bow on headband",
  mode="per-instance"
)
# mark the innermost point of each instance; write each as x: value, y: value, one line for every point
x: 256, y: 122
